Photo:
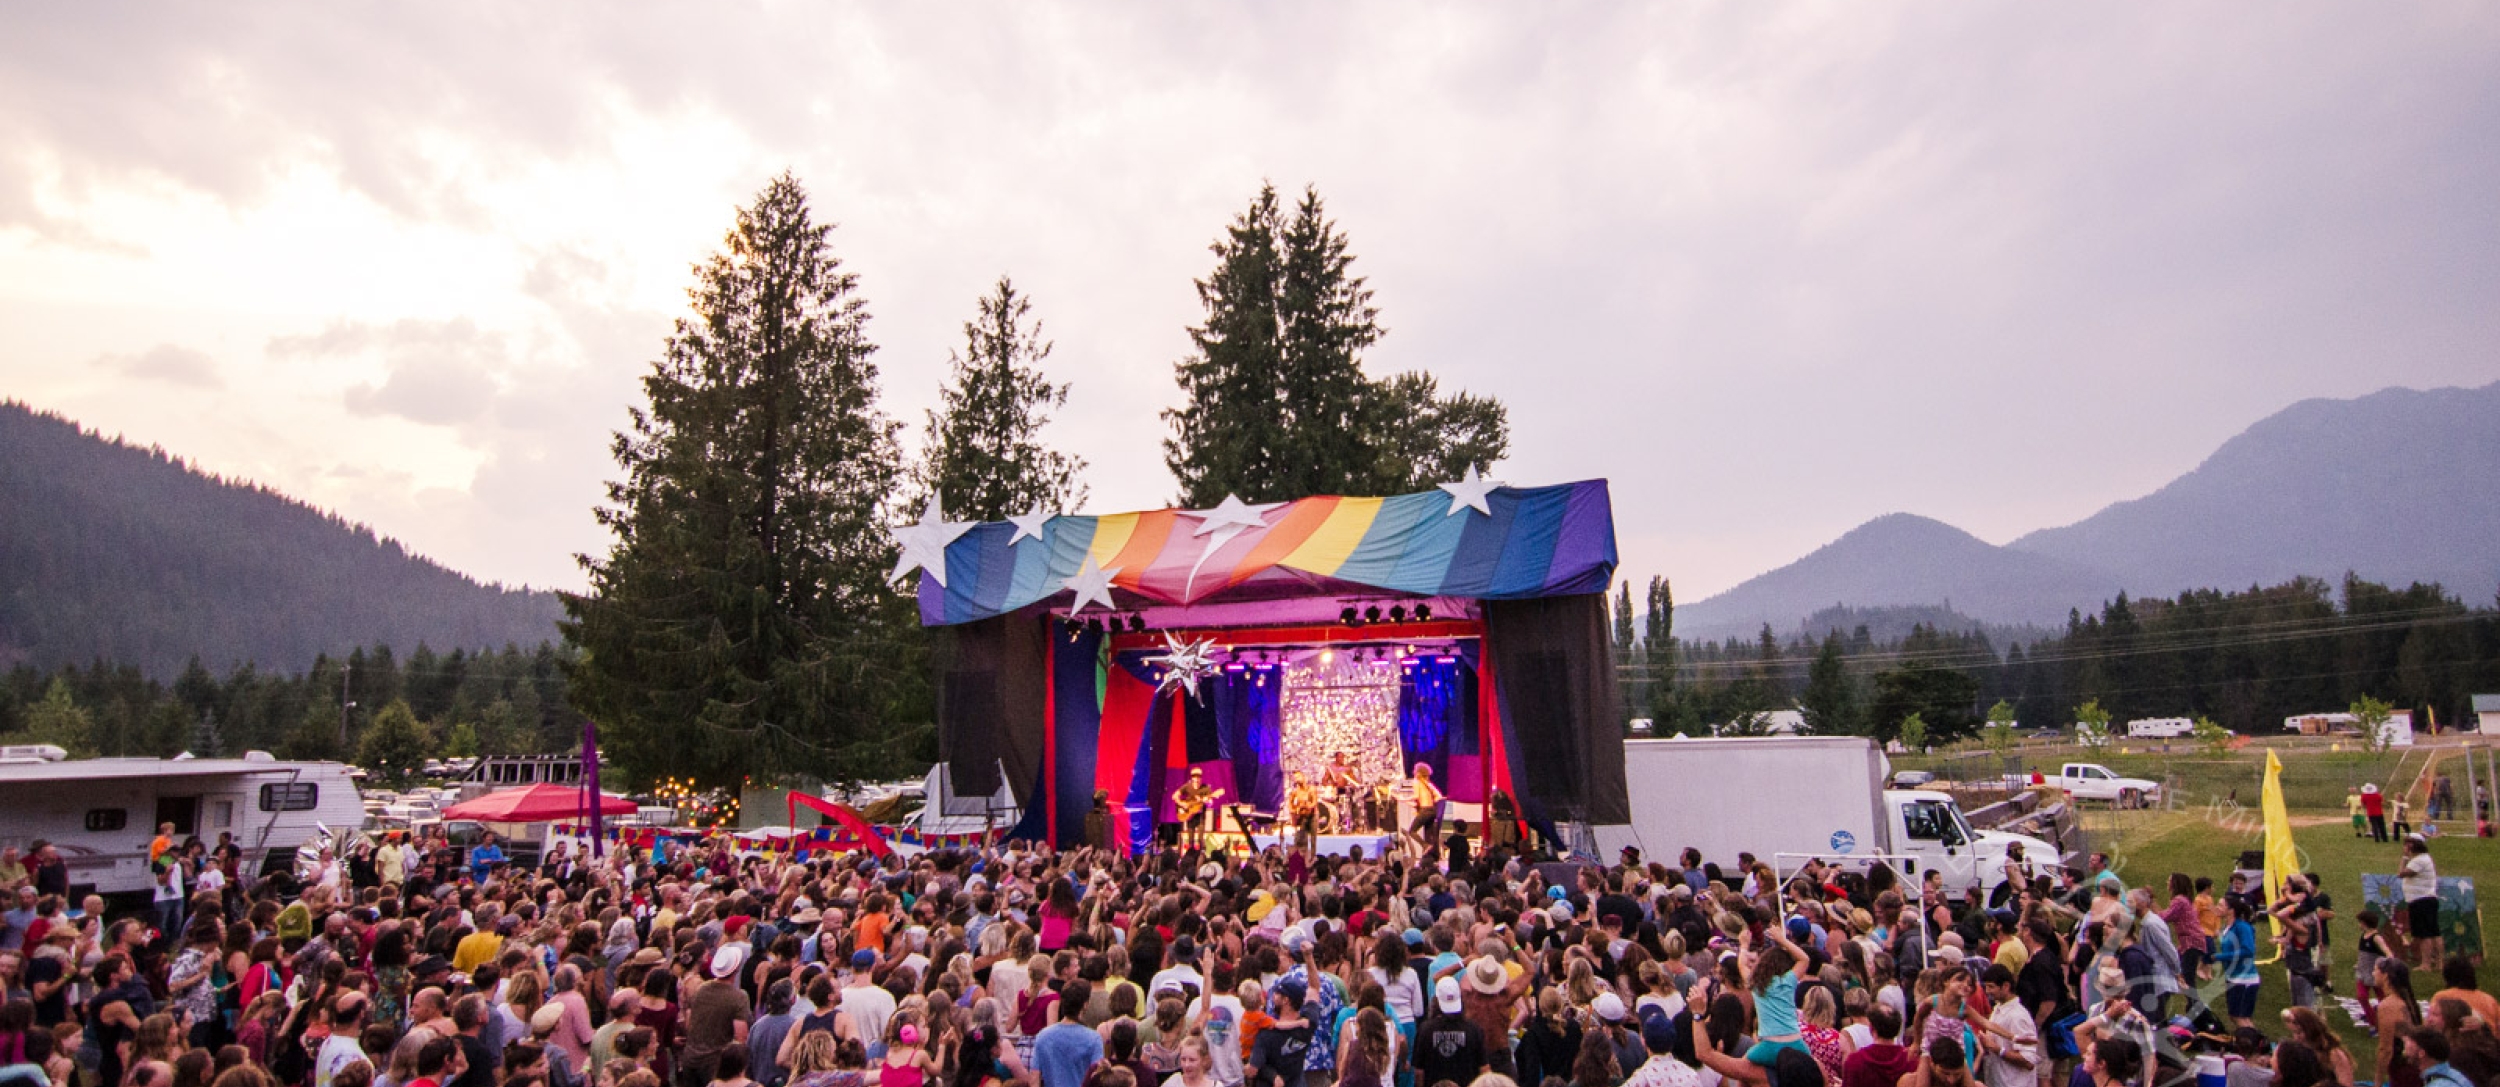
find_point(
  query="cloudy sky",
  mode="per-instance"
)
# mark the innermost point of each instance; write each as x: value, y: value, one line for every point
x: 1772, y: 270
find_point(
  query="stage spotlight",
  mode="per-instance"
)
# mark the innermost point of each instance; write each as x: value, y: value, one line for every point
x: 1137, y: 624
x: 1371, y: 614
x: 1397, y: 613
x: 1423, y: 613
x: 1093, y: 626
x: 1349, y: 617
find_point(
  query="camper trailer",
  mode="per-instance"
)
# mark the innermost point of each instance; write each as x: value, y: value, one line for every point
x: 100, y: 813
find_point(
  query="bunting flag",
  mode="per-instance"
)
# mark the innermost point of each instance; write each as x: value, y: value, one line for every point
x: 2282, y: 857
x: 1533, y: 542
x: 850, y: 820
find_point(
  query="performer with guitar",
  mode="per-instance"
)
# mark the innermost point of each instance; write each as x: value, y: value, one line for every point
x: 1193, y: 799
x: 1302, y: 805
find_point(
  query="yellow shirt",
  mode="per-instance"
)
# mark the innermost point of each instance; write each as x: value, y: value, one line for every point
x: 2012, y: 955
x: 475, y: 950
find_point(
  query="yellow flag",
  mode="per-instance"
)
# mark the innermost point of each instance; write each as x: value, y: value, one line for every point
x: 2282, y: 858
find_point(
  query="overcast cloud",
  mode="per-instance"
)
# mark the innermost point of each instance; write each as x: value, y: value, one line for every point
x: 1772, y: 270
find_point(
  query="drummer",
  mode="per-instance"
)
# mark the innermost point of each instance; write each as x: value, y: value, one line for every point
x: 1346, y: 787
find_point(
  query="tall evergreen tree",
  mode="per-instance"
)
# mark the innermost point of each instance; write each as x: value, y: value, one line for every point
x: 1830, y: 702
x: 1658, y: 645
x: 985, y: 459
x: 1275, y: 402
x: 742, y: 624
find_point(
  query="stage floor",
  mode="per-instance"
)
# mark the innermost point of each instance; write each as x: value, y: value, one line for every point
x: 1333, y: 845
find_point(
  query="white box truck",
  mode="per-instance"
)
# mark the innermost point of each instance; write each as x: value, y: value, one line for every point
x: 1791, y: 797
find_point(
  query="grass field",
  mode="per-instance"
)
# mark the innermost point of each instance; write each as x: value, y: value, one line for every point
x: 2211, y: 816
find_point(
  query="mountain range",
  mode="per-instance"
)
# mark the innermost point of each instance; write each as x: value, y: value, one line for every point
x: 2396, y: 486
x: 111, y: 552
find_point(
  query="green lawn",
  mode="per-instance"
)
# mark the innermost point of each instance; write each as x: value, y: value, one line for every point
x: 2211, y: 816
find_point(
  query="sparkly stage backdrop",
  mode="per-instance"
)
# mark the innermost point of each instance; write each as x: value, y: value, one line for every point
x: 1349, y: 703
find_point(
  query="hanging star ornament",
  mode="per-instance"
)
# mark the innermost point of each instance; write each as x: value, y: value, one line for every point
x: 1092, y: 584
x: 1029, y: 524
x: 924, y: 544
x: 1469, y: 493
x: 1184, y: 663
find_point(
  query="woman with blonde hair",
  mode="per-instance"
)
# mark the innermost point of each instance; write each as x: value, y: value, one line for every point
x: 1818, y: 1020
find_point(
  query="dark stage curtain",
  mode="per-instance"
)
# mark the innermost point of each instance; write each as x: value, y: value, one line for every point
x: 989, y: 705
x: 1076, y: 734
x: 1555, y: 668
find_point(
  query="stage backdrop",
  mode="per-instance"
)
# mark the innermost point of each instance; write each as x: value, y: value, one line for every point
x: 1526, y: 703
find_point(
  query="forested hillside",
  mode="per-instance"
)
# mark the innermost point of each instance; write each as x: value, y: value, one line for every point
x: 2248, y: 659
x: 502, y: 702
x: 110, y: 552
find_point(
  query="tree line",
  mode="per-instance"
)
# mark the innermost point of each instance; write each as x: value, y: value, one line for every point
x: 370, y: 706
x: 748, y: 619
x: 2247, y: 659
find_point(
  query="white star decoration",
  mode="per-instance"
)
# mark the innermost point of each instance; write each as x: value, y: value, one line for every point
x: 1029, y: 524
x: 1184, y: 663
x: 1469, y: 493
x: 924, y: 544
x: 1229, y: 517
x: 1092, y: 584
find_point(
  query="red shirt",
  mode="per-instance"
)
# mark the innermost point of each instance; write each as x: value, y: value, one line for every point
x: 2374, y: 805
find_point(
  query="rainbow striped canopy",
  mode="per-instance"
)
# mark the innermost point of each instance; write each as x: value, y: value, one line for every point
x: 1536, y: 541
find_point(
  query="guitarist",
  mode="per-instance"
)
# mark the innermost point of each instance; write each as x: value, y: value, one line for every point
x: 1302, y: 804
x: 1193, y: 799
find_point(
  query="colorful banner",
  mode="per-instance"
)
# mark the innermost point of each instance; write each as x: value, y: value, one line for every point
x: 1534, y: 542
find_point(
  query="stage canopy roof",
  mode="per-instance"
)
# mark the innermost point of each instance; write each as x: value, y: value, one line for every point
x: 1472, y: 539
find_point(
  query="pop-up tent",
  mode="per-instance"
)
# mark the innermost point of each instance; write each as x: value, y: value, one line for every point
x: 541, y: 803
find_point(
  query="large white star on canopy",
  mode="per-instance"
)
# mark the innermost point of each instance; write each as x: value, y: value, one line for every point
x: 1092, y: 584
x: 1029, y: 524
x: 924, y: 544
x: 1469, y: 493
x: 1230, y: 517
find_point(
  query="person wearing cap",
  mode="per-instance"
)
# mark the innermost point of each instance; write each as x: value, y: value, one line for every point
x: 1282, y: 1051
x: 2375, y: 806
x: 1614, y: 1017
x: 1448, y: 1044
x: 1661, y: 1069
x: 716, y: 1016
x: 867, y: 1003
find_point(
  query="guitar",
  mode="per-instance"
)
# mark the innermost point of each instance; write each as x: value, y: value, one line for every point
x: 1192, y: 806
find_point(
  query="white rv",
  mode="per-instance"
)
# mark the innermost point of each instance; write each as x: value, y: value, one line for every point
x: 2160, y: 728
x: 101, y: 813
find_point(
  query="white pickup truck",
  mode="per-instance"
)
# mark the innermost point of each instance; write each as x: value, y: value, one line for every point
x: 2091, y: 781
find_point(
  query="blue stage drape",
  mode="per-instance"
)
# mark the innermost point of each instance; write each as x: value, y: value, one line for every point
x: 1249, y: 710
x: 1437, y: 711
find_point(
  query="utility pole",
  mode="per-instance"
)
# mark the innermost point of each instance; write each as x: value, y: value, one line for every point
x: 345, y: 669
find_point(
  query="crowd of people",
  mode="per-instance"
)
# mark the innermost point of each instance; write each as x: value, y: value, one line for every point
x: 415, y: 964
